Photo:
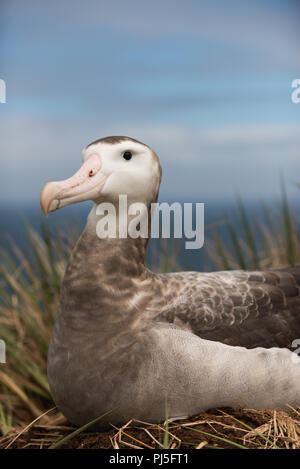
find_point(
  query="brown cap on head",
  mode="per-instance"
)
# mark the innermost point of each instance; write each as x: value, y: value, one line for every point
x: 114, y: 140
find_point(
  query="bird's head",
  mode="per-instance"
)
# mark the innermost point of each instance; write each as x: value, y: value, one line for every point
x: 112, y: 166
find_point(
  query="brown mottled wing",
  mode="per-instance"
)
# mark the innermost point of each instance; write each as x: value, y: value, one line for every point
x: 249, y: 309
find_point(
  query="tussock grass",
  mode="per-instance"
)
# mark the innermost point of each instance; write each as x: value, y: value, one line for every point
x: 29, y: 289
x: 29, y: 292
x: 268, y: 239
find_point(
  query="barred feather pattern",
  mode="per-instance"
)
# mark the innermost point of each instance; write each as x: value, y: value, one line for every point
x: 242, y: 308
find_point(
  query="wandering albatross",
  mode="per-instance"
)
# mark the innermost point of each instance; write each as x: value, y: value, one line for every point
x: 132, y: 341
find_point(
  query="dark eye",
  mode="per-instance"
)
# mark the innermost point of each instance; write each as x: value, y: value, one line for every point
x: 127, y: 155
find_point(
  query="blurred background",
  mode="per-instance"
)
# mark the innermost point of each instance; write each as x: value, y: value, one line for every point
x: 206, y: 83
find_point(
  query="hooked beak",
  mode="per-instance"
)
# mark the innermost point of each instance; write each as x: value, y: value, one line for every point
x: 86, y: 184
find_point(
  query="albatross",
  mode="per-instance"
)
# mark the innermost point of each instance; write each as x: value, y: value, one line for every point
x: 134, y: 342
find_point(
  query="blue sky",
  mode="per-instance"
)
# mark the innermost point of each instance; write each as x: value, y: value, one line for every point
x: 207, y: 84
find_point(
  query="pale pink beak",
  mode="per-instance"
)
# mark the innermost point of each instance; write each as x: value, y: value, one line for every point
x: 86, y: 184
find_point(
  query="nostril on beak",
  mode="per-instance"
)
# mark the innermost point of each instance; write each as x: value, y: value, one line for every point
x: 91, y: 173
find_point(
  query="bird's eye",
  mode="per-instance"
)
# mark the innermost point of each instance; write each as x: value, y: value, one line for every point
x: 127, y: 155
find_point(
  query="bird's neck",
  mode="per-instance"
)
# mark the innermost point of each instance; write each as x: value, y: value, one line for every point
x: 102, y: 276
x: 117, y: 252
